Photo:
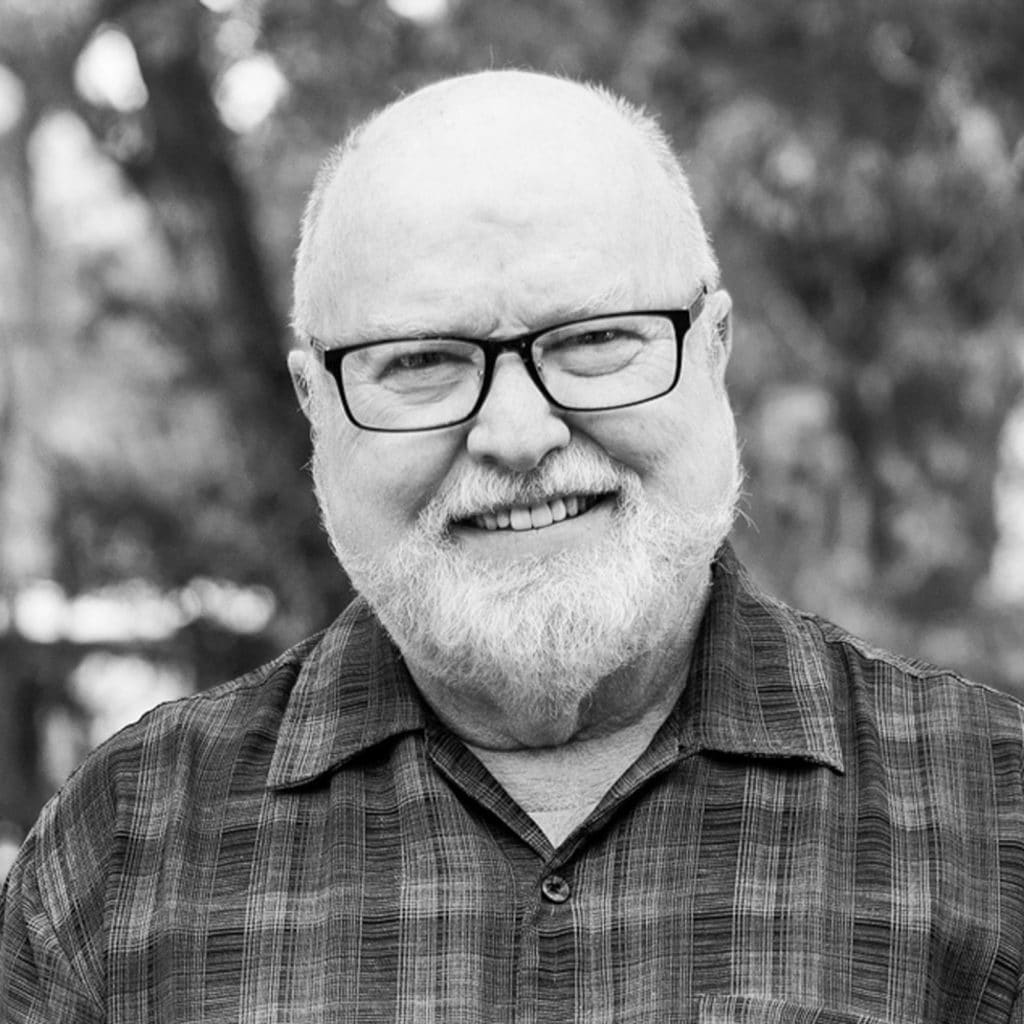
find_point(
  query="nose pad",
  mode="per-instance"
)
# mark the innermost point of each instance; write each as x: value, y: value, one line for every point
x: 516, y: 426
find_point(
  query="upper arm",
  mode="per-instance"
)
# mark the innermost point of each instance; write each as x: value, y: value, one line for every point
x: 41, y: 980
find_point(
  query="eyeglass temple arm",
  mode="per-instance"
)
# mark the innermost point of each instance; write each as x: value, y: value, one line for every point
x: 698, y: 304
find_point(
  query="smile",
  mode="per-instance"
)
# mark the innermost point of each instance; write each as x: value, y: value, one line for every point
x: 535, y: 517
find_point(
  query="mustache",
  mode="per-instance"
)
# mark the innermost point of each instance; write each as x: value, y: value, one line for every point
x: 567, y: 471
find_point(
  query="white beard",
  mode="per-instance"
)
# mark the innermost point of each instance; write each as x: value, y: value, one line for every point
x: 536, y: 635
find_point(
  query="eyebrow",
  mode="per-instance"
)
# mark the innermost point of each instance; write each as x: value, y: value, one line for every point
x: 384, y: 327
x: 608, y: 300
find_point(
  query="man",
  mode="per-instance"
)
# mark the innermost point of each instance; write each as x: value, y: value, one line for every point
x: 560, y: 761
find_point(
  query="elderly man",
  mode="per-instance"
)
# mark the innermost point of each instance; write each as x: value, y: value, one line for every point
x: 560, y: 761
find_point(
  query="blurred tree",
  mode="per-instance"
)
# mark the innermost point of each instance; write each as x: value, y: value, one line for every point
x: 20, y: 696
x: 201, y: 472
x: 878, y: 215
x: 214, y: 308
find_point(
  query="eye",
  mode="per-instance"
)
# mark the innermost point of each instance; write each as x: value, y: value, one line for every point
x: 591, y: 352
x: 405, y: 366
x: 605, y: 336
x: 421, y: 359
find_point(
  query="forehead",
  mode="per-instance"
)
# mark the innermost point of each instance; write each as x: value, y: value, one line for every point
x: 503, y: 207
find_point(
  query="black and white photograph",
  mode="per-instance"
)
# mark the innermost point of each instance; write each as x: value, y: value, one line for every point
x: 512, y: 512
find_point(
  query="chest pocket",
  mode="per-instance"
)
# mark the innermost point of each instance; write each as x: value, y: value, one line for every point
x: 718, y: 1009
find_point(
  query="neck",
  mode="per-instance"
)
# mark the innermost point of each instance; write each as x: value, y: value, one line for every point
x: 559, y: 786
x: 632, y: 696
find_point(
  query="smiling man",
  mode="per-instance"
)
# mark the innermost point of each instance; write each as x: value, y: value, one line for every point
x: 528, y: 472
x: 560, y: 761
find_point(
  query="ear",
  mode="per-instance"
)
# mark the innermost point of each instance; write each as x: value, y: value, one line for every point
x: 719, y: 312
x: 300, y: 367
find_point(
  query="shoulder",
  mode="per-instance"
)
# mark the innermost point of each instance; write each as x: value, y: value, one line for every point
x: 181, y: 735
x: 142, y: 800
x: 911, y: 700
x: 814, y: 678
x: 167, y: 764
x: 863, y: 659
x: 851, y: 663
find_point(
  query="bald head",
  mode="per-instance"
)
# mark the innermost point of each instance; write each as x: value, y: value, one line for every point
x: 511, y: 148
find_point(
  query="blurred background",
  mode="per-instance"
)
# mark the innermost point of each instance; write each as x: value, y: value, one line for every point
x: 860, y: 165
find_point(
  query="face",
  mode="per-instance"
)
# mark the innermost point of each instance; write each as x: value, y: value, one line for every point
x: 612, y: 516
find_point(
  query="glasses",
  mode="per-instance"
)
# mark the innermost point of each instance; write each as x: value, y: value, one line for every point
x: 602, y: 362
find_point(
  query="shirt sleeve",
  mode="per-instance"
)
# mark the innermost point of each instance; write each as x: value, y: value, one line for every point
x: 41, y: 981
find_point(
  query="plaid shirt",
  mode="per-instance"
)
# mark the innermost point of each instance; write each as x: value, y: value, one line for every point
x: 819, y: 834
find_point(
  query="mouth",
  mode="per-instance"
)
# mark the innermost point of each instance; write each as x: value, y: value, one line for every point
x: 536, y: 516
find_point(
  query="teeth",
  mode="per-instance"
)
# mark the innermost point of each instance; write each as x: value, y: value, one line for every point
x: 535, y: 517
x: 541, y: 515
x: 520, y: 518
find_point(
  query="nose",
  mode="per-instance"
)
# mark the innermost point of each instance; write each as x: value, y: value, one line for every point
x: 516, y: 426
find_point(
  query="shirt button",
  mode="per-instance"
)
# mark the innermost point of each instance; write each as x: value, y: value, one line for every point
x: 555, y: 889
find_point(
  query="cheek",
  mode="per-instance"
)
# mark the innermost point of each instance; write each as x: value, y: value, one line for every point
x: 375, y: 485
x: 682, y: 445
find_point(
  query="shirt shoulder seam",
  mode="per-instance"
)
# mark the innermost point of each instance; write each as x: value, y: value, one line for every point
x: 922, y: 671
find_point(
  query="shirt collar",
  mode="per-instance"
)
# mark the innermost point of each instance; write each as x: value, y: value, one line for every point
x: 757, y: 687
x: 352, y: 692
x: 758, y: 683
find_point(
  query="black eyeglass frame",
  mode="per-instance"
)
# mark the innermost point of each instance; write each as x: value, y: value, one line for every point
x: 682, y: 321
